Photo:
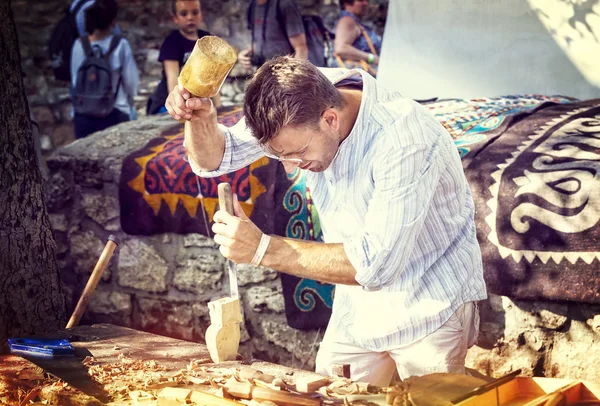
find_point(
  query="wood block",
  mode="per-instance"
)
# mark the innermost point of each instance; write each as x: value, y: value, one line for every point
x: 242, y: 390
x: 173, y: 396
x: 251, y: 373
x: 341, y: 370
x: 223, y: 334
x: 309, y: 384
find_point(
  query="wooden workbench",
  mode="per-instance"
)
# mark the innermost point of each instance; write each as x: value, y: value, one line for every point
x: 111, y: 362
x: 110, y: 345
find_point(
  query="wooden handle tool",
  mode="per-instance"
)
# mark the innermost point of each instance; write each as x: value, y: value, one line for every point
x: 86, y: 296
x: 223, y: 334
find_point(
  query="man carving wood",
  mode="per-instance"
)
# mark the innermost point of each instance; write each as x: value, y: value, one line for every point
x: 395, y: 207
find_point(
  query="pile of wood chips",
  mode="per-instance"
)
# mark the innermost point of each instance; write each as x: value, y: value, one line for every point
x: 129, y: 381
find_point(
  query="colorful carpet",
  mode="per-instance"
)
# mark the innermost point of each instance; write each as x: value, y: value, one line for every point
x: 469, y: 121
x: 536, y: 187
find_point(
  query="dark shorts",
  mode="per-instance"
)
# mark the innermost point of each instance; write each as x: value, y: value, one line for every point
x: 86, y: 125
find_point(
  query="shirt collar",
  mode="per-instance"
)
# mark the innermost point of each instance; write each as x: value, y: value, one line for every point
x: 358, y: 140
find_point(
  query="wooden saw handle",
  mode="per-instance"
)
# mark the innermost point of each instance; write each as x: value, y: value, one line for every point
x: 90, y: 287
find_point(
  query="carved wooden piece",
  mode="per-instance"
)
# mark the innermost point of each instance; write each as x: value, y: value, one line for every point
x: 310, y: 384
x: 223, y: 334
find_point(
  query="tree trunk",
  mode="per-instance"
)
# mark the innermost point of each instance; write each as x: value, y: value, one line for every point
x: 31, y: 299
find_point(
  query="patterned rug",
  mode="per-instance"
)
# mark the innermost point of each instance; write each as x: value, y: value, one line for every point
x: 536, y: 186
x: 469, y: 121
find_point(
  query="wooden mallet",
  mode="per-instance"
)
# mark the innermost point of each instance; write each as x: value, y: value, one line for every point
x: 84, y: 300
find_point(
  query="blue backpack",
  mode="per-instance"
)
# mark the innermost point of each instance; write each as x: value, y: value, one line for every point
x: 93, y: 94
x: 61, y: 41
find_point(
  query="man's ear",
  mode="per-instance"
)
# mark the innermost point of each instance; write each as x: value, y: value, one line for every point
x: 331, y: 119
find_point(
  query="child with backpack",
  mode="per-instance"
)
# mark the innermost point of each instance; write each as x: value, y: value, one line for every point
x: 175, y: 51
x: 104, y: 74
x: 64, y: 34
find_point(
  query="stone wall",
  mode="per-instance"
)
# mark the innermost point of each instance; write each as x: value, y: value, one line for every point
x: 553, y: 339
x: 162, y: 283
x: 145, y: 23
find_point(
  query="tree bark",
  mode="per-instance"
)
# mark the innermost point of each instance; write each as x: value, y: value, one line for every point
x: 31, y: 299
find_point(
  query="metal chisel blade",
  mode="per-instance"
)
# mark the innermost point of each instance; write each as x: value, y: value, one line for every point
x: 233, y: 283
x: 226, y: 203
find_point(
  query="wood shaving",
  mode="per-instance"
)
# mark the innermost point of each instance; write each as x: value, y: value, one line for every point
x: 23, y: 382
x: 126, y: 375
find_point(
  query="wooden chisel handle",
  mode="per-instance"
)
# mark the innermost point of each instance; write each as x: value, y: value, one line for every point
x: 86, y: 296
x: 225, y: 197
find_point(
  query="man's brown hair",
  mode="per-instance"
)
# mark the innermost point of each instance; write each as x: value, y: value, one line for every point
x: 287, y: 91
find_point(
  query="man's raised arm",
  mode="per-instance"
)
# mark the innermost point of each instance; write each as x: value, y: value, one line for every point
x: 204, y: 139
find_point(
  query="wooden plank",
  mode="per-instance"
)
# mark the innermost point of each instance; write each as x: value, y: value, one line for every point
x: 310, y: 384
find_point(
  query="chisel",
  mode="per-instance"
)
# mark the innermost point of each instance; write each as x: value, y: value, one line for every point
x: 223, y: 334
x: 226, y: 204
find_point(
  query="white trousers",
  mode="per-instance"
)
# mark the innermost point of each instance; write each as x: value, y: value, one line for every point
x: 444, y: 350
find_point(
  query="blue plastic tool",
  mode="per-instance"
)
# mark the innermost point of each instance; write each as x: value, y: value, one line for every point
x: 39, y: 347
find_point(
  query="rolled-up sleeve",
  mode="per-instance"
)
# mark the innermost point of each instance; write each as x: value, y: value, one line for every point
x: 405, y: 180
x: 241, y: 149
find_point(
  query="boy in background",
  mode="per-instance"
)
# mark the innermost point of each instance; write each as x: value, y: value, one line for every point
x: 175, y: 51
x: 100, y: 20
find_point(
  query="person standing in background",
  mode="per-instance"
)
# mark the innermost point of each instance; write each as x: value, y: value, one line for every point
x: 277, y: 29
x: 355, y: 45
x: 101, y: 42
x: 175, y: 51
x: 80, y: 15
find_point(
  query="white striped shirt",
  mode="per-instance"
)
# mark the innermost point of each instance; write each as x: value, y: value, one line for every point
x: 396, y: 196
